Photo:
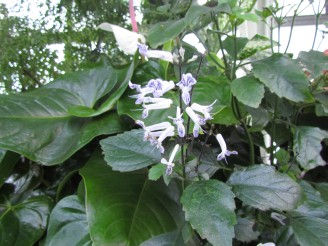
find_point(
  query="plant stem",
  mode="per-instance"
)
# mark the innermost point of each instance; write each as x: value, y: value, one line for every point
x: 292, y: 26
x: 133, y: 17
x: 237, y: 113
x: 273, y: 130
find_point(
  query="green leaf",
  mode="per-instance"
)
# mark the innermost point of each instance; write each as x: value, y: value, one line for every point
x: 164, y: 31
x: 314, y: 205
x: 257, y: 43
x: 38, y: 124
x: 128, y: 151
x: 156, y: 171
x: 262, y: 187
x: 7, y: 164
x: 210, y: 88
x: 247, y: 16
x: 322, y: 103
x: 307, y: 146
x: 23, y: 223
x: 68, y: 223
x: 209, y: 206
x: 244, y: 229
x: 233, y: 45
x: 248, y: 90
x: 283, y: 77
x: 127, y: 208
x: 173, y: 238
x: 225, y: 116
x: 52, y: 140
x: 314, y: 61
x: 309, y: 230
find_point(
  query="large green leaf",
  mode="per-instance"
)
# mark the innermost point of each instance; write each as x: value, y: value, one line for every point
x: 307, y: 146
x: 309, y: 230
x: 23, y: 223
x: 68, y: 223
x: 248, y: 90
x: 164, y: 31
x: 209, y: 206
x: 314, y: 61
x: 39, y: 124
x: 127, y: 208
x: 262, y: 187
x: 128, y: 151
x: 283, y: 77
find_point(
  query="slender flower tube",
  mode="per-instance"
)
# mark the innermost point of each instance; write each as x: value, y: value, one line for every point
x: 170, y: 163
x: 152, y: 132
x: 185, y: 85
x: 178, y: 121
x: 142, y: 92
x: 164, y: 103
x: 197, y: 119
x: 224, y: 151
x: 160, y: 54
x: 205, y: 110
x: 160, y: 87
x: 166, y: 133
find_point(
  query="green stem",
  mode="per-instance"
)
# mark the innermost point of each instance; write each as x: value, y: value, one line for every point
x: 273, y: 130
x: 221, y: 45
x: 237, y: 113
x: 292, y: 26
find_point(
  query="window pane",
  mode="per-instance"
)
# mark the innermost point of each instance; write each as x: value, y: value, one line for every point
x: 306, y: 8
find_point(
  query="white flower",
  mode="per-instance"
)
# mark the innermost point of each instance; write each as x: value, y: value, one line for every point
x: 266, y: 244
x: 197, y: 119
x: 142, y: 92
x: 205, y: 110
x: 166, y: 133
x: 170, y: 163
x: 160, y: 54
x: 224, y: 151
x: 162, y: 104
x: 126, y: 40
x: 160, y: 87
x: 153, y: 132
x: 179, y: 122
x: 185, y: 85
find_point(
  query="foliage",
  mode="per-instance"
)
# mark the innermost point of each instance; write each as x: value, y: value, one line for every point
x: 118, y: 155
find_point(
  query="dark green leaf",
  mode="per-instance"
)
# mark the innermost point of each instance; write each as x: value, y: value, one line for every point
x: 127, y: 208
x: 248, y: 90
x: 225, y: 116
x: 322, y: 103
x: 24, y: 223
x: 209, y: 206
x: 323, y: 189
x: 283, y: 77
x: 7, y: 163
x: 38, y: 124
x: 68, y: 224
x: 129, y: 152
x: 52, y: 140
x: 314, y: 61
x: 262, y: 187
x: 164, y: 31
x: 307, y: 146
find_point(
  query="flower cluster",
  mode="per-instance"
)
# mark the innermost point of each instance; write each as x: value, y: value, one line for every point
x: 151, y: 97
